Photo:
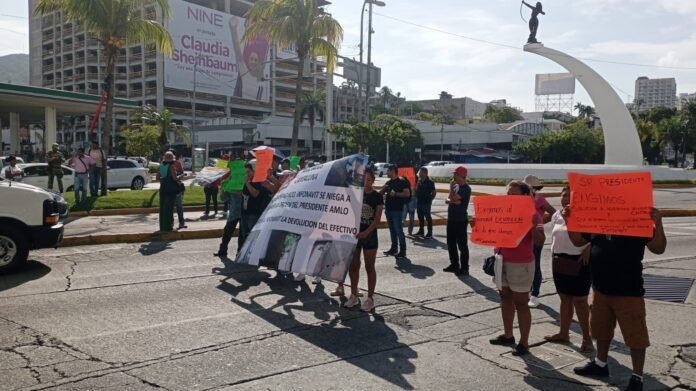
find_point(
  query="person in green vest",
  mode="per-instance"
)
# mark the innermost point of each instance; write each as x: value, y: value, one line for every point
x: 55, y: 170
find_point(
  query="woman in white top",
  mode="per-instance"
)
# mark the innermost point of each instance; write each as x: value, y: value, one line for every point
x: 12, y: 172
x: 571, y: 275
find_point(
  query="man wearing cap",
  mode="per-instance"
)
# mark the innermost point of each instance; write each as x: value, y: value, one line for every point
x: 55, y: 159
x: 398, y: 192
x: 99, y: 158
x: 457, y: 222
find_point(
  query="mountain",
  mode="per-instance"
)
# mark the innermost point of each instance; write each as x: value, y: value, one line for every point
x: 14, y: 68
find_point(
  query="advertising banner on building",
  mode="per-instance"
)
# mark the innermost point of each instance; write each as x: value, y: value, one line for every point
x: 554, y: 84
x: 310, y: 225
x: 210, y: 42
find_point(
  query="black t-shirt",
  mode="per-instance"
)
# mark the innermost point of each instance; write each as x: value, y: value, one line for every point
x: 616, y: 264
x: 370, y: 203
x: 397, y: 184
x: 459, y: 212
x: 254, y: 205
x: 424, y: 193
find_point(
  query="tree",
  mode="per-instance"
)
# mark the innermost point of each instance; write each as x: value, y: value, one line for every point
x: 445, y: 95
x: 576, y: 143
x: 141, y: 141
x: 300, y: 23
x: 501, y: 115
x: 164, y: 122
x: 313, y: 107
x: 115, y: 23
x: 584, y: 112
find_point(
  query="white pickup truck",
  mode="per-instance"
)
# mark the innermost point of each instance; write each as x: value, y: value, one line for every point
x: 29, y: 219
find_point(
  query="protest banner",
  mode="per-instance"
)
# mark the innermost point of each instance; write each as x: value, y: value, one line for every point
x: 221, y: 163
x: 310, y: 225
x: 209, y: 175
x: 611, y: 204
x: 264, y: 162
x: 408, y: 173
x: 502, y: 221
x: 236, y: 179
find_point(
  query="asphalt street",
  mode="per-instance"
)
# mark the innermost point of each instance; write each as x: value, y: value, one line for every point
x: 169, y: 315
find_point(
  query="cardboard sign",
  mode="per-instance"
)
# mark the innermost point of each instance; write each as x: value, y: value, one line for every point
x: 502, y: 221
x: 410, y: 174
x: 236, y: 179
x: 220, y: 163
x: 611, y: 204
x: 294, y: 162
x: 264, y: 161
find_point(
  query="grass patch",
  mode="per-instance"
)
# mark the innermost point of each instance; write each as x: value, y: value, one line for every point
x: 133, y: 199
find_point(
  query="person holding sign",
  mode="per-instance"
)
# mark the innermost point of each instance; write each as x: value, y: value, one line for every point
x: 410, y: 207
x: 571, y: 275
x: 367, y: 242
x: 254, y: 197
x: 233, y: 188
x: 517, y: 277
x: 398, y: 192
x: 457, y: 222
x: 617, y: 278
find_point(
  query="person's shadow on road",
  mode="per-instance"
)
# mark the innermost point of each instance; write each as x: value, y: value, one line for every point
x: 404, y: 265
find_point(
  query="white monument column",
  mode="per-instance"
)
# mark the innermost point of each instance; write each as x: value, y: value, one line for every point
x: 14, y: 134
x: 50, y: 130
x: 621, y: 142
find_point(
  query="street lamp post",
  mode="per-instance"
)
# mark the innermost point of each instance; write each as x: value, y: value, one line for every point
x: 369, y: 51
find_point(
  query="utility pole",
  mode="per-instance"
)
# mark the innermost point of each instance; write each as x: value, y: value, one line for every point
x: 442, y: 139
x: 193, y: 124
x: 369, y: 62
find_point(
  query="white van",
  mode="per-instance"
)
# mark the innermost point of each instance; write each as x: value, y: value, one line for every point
x: 29, y: 220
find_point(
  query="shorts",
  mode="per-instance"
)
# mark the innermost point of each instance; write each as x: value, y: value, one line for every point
x: 628, y: 311
x: 369, y: 243
x: 518, y: 276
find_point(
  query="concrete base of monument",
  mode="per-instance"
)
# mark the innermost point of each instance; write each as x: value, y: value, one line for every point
x: 559, y: 172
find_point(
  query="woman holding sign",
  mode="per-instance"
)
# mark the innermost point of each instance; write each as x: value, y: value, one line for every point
x: 517, y: 278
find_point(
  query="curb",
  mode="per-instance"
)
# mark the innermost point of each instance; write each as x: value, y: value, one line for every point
x: 129, y: 211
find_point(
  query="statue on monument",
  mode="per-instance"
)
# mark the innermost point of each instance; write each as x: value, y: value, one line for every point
x: 534, y: 20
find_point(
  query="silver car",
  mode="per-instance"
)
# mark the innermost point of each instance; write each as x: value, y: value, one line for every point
x: 126, y: 173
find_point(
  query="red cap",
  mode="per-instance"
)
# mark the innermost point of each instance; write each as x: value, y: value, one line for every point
x: 226, y: 156
x: 461, y: 170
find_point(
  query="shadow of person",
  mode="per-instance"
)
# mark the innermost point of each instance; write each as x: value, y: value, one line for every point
x: 541, y: 375
x: 364, y: 341
x: 429, y: 243
x: 31, y: 270
x: 404, y: 265
x: 490, y: 293
x: 153, y: 248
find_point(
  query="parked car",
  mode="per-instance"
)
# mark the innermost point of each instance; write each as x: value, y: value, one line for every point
x: 29, y: 219
x: 438, y: 163
x: 36, y: 174
x: 126, y: 173
x: 381, y: 169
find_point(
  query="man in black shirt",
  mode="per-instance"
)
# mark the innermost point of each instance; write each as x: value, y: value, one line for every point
x: 254, y: 201
x: 457, y: 223
x: 398, y: 192
x: 425, y: 194
x: 617, y: 279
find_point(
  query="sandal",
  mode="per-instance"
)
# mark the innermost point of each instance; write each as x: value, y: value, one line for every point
x: 556, y: 338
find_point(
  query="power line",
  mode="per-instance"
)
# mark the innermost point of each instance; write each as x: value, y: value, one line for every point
x: 13, y: 31
x: 517, y: 48
x: 14, y: 16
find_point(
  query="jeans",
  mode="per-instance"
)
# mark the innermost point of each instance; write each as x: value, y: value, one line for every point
x: 247, y: 222
x: 211, y: 193
x: 80, y: 185
x: 423, y: 216
x: 59, y: 179
x: 457, y: 239
x: 180, y: 208
x: 396, y: 230
x: 410, y: 209
x: 536, y: 285
x: 94, y: 178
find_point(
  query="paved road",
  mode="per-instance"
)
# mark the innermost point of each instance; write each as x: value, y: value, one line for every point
x: 171, y: 316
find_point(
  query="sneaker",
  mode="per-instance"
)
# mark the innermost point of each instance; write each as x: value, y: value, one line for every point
x: 182, y: 226
x: 533, y: 302
x: 352, y: 302
x: 389, y: 252
x: 220, y: 254
x: 635, y: 384
x: 367, y: 305
x: 502, y: 340
x: 419, y: 233
x: 206, y: 213
x: 451, y: 269
x: 338, y: 292
x: 592, y: 370
x: 316, y: 280
x: 429, y: 236
x: 520, y: 350
x: 462, y: 272
x: 401, y: 254
x: 299, y: 277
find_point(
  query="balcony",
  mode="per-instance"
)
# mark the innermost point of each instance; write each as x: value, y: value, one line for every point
x: 136, y: 57
x: 135, y: 93
x: 93, y: 76
x: 150, y: 54
x: 121, y: 94
x: 151, y: 72
x: 67, y: 63
x: 80, y: 76
x: 92, y: 59
x: 136, y: 75
x: 47, y: 37
x: 48, y: 68
x: 151, y: 91
x: 93, y: 91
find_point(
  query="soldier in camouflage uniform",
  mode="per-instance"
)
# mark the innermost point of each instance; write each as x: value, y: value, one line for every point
x: 55, y: 160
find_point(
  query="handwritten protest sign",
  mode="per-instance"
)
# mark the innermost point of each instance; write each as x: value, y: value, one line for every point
x: 409, y: 174
x: 264, y: 161
x: 502, y: 221
x: 236, y: 179
x: 294, y: 162
x: 221, y: 163
x: 310, y: 225
x: 613, y: 204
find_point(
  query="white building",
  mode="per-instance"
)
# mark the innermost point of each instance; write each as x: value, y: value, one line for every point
x: 456, y: 107
x: 651, y: 93
x: 684, y: 98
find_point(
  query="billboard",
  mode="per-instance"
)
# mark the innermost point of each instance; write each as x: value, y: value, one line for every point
x: 353, y: 70
x: 210, y: 42
x: 554, y: 84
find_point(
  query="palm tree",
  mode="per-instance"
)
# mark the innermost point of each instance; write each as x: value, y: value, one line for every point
x: 164, y: 121
x: 306, y: 26
x: 313, y: 107
x: 584, y: 112
x: 115, y: 23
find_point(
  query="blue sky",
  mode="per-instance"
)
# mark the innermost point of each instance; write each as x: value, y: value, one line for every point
x: 420, y: 62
